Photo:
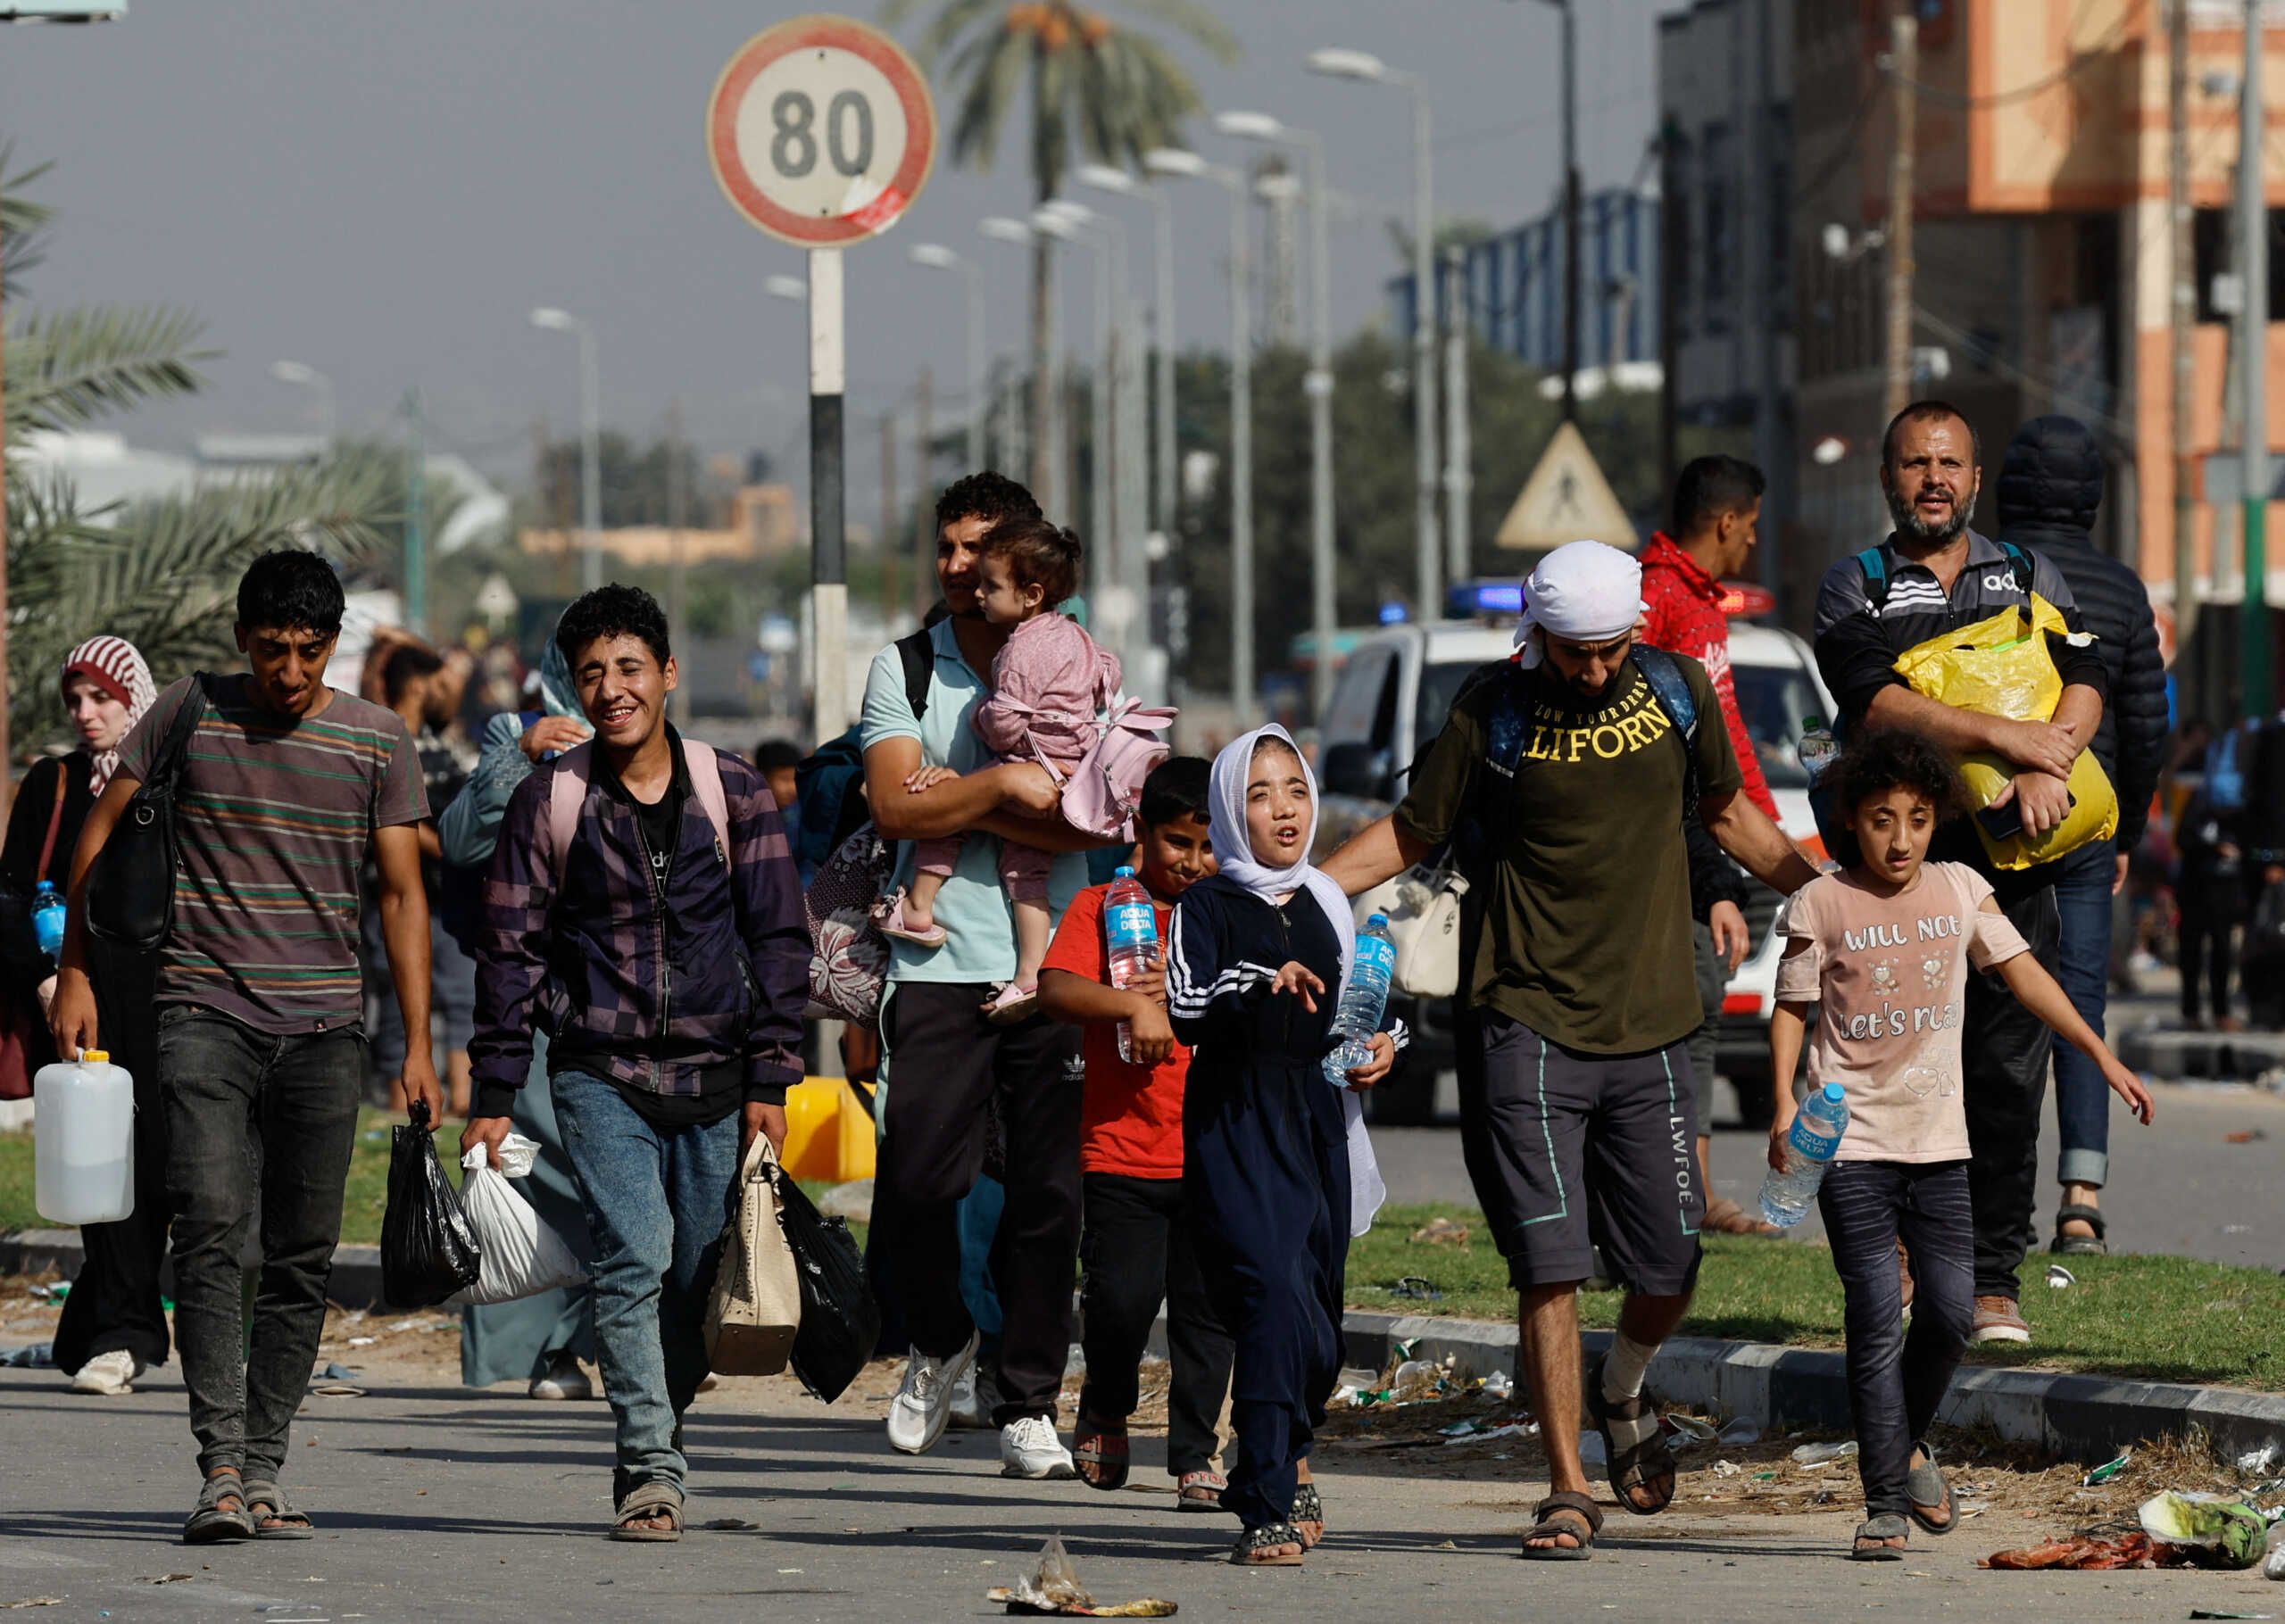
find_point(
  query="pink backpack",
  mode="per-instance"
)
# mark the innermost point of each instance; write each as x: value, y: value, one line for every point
x: 567, y: 792
x: 1105, y: 789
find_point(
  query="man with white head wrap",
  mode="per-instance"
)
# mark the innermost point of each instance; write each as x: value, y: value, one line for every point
x: 1573, y: 768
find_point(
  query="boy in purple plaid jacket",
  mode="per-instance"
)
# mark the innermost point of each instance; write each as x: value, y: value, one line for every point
x: 643, y: 909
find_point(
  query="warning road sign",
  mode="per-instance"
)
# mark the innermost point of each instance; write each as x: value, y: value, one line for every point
x: 1566, y: 499
x: 822, y: 131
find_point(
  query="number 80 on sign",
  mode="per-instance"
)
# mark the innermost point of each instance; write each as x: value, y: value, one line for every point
x: 822, y: 131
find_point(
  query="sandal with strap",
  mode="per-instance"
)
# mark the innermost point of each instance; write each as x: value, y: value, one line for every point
x: 1012, y: 1006
x: 1928, y: 1486
x: 888, y: 915
x: 642, y: 1503
x: 210, y: 1521
x: 1584, y: 1513
x: 1726, y: 1217
x: 273, y: 1517
x: 1309, y: 1511
x: 2079, y: 1246
x: 1200, y: 1491
x: 1259, y: 1547
x: 1098, y: 1449
x: 1648, y: 1459
x: 1887, y: 1526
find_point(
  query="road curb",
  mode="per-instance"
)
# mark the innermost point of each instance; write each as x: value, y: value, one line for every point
x: 2089, y: 1418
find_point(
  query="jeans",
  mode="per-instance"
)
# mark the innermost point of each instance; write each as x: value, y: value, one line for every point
x: 2003, y: 1050
x: 1137, y: 1251
x: 251, y: 1112
x: 2082, y: 965
x: 1897, y: 1379
x: 942, y: 1063
x: 657, y: 1201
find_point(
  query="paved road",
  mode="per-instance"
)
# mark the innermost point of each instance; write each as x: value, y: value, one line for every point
x: 438, y: 1503
x: 2177, y: 1186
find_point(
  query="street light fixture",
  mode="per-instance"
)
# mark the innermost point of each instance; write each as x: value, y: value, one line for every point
x: 1365, y: 68
x: 1316, y: 384
x: 936, y: 256
x: 591, y: 488
x: 1175, y: 163
x: 307, y: 377
x: 783, y: 287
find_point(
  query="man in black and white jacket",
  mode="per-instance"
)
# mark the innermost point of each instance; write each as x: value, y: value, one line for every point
x: 1934, y: 574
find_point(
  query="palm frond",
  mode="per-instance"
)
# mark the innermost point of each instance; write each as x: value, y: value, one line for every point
x: 22, y: 219
x: 67, y: 368
x: 1198, y: 22
x: 955, y: 19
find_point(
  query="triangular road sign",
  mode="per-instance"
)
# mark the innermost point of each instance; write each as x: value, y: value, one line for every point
x: 1566, y: 499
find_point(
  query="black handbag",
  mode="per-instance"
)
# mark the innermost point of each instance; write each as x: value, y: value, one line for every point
x: 131, y: 887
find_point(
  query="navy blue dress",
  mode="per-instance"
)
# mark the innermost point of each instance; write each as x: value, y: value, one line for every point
x: 1264, y: 1169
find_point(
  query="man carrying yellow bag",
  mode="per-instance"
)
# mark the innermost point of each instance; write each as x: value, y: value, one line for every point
x: 1934, y: 578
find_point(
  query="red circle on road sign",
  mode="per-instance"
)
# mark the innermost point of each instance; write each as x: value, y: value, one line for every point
x: 772, y: 45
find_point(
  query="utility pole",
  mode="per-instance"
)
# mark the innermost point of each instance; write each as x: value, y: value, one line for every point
x: 2183, y: 323
x: 678, y: 546
x: 7, y: 755
x: 2253, y: 371
x: 416, y: 518
x: 890, y: 522
x: 1424, y: 359
x: 1904, y: 72
x: 1571, y: 257
x: 1459, y: 479
x: 924, y: 508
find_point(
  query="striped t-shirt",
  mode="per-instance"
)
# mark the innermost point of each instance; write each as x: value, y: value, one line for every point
x: 274, y: 816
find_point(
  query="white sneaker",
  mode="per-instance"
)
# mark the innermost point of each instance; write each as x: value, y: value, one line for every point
x: 924, y: 1403
x: 975, y: 1396
x: 108, y: 1375
x: 1029, y: 1448
x: 562, y: 1378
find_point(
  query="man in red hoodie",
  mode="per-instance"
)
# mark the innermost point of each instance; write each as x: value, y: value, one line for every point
x: 1717, y: 510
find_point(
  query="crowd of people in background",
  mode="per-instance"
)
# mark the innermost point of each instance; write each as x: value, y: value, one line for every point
x: 595, y: 923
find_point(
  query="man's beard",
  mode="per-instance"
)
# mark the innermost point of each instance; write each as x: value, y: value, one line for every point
x: 1910, y: 524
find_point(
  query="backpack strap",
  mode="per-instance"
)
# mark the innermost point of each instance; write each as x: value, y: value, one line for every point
x: 706, y: 783
x: 1673, y: 689
x: 2019, y: 564
x: 917, y: 652
x: 567, y: 793
x: 1874, y: 562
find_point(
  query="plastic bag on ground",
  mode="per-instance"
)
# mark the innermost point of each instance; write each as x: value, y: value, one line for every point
x: 2225, y: 1534
x: 840, y: 1322
x: 427, y: 1250
x: 519, y: 1254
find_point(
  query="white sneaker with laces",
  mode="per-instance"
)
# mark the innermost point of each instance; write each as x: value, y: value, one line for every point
x: 1029, y: 1448
x: 108, y: 1375
x: 924, y: 1403
x: 562, y: 1378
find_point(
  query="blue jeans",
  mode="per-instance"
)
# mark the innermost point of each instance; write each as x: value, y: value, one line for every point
x: 253, y: 1116
x: 2081, y: 1097
x: 657, y: 1200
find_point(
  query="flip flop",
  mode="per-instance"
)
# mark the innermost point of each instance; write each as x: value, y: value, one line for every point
x: 1257, y: 1547
x: 1927, y: 1486
x: 1888, y: 1526
x: 1549, y: 1527
x: 1104, y: 1448
x: 1726, y: 1217
x: 1200, y: 1491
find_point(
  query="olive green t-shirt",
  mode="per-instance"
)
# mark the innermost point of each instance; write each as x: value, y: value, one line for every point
x: 1587, y: 931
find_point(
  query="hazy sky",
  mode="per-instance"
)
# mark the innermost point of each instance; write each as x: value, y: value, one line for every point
x: 384, y: 190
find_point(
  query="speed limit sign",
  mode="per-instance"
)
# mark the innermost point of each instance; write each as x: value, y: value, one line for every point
x: 822, y: 131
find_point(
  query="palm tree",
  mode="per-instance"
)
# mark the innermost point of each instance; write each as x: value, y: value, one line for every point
x: 1114, y: 91
x: 158, y: 572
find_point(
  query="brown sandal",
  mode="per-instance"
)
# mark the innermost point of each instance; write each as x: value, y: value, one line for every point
x: 1646, y: 1461
x: 1581, y: 1507
x: 1100, y: 1451
x: 1724, y: 1216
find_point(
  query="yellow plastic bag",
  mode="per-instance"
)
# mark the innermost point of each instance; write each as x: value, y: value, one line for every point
x: 2001, y: 667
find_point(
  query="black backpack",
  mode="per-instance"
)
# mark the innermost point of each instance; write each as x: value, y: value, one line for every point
x: 826, y: 780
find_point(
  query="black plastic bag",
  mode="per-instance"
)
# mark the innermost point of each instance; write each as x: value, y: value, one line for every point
x: 839, y: 1321
x: 427, y: 1250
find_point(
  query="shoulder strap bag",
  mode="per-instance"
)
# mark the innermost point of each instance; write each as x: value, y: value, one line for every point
x: 131, y: 888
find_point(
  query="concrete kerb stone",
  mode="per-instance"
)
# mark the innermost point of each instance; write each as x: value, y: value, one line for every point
x: 2088, y: 1418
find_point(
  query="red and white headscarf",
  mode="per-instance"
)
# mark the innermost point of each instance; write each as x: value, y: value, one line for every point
x: 113, y: 665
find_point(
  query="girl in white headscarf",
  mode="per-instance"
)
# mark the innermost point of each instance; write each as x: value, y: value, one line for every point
x: 1277, y: 1171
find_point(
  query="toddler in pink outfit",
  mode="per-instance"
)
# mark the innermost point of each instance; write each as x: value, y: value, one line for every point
x: 1047, y: 682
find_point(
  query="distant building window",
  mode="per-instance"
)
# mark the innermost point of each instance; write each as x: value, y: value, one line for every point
x: 2213, y: 238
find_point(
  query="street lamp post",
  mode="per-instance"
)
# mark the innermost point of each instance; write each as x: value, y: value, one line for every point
x: 1174, y: 162
x: 1317, y: 385
x: 591, y: 475
x: 1105, y: 178
x: 307, y: 377
x: 1046, y: 412
x: 1362, y: 66
x: 1107, y: 237
x: 936, y: 256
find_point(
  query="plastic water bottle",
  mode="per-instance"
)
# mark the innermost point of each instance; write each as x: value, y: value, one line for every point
x: 1130, y: 942
x: 1810, y: 1147
x: 47, y: 919
x: 1818, y: 747
x: 1370, y: 971
x: 83, y: 1134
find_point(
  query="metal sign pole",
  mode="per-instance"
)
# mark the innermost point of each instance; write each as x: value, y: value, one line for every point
x: 828, y: 559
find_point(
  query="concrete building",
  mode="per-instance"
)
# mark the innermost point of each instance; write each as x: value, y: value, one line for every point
x: 1726, y: 150
x: 2044, y: 257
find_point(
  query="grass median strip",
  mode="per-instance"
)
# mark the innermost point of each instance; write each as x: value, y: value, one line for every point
x: 2167, y: 1318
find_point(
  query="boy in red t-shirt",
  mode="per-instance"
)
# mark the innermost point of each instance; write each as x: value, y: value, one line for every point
x: 1135, y: 1249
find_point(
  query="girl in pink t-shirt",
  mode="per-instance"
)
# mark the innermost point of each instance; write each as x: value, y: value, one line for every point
x: 1884, y: 950
x: 1047, y: 682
